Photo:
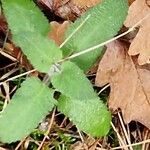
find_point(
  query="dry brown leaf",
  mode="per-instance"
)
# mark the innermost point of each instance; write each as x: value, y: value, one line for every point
x: 130, y: 1
x: 68, y: 9
x: 58, y: 31
x: 140, y: 45
x: 130, y: 86
x: 86, y: 3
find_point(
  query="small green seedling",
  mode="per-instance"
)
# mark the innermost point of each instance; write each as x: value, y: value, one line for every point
x: 78, y: 101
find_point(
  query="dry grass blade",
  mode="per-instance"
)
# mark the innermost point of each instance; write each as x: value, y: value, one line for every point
x: 18, y: 76
x: 135, y: 144
x: 119, y: 137
x: 48, y: 131
x: 124, y: 130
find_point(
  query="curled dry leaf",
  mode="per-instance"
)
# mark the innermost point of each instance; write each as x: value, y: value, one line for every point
x: 57, y: 32
x: 140, y: 45
x: 130, y: 89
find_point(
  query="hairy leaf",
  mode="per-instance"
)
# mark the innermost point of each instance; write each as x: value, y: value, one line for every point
x: 23, y: 15
x: 41, y: 52
x: 29, y: 27
x: 105, y: 20
x: 80, y: 103
x: 28, y: 107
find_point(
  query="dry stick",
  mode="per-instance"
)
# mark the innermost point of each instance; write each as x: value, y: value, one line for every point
x: 119, y: 137
x: 17, y: 76
x: 106, y: 42
x: 47, y: 132
x: 135, y: 144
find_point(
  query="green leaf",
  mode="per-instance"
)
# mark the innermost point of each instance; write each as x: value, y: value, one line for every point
x: 28, y: 107
x: 29, y: 27
x: 105, y: 21
x: 23, y: 15
x: 80, y: 103
x: 89, y: 115
x: 41, y: 52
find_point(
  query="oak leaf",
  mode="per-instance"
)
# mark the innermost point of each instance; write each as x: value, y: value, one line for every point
x: 140, y: 45
x: 130, y: 89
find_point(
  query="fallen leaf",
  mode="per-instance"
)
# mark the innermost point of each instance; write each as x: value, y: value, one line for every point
x: 130, y: 89
x: 57, y: 32
x: 86, y: 3
x: 140, y: 45
x: 68, y: 9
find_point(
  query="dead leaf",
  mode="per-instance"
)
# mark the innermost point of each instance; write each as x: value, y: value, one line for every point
x: 57, y: 32
x: 140, y: 45
x: 130, y: 89
x: 68, y: 9
x: 86, y: 3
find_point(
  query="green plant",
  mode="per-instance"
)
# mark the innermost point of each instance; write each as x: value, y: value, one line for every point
x: 33, y: 100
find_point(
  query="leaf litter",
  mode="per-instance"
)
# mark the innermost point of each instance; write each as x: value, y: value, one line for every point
x: 130, y: 89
